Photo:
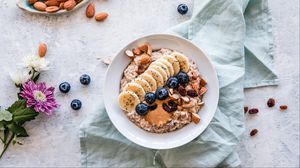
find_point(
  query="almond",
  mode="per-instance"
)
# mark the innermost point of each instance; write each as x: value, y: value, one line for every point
x: 202, y: 91
x: 40, y: 6
x: 149, y: 49
x: 52, y: 3
x: 129, y: 53
x: 145, y: 59
x: 31, y: 1
x: 69, y: 5
x: 195, y: 118
x: 52, y: 9
x: 137, y: 51
x: 61, y: 5
x: 42, y: 49
x: 143, y: 48
x: 90, y: 10
x: 101, y: 16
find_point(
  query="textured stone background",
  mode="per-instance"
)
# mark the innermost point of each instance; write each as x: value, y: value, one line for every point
x: 74, y: 44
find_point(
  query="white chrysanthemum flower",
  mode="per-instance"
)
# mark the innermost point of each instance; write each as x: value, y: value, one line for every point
x: 36, y: 63
x: 20, y: 76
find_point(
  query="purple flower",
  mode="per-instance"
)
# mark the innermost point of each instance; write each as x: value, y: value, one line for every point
x: 39, y: 97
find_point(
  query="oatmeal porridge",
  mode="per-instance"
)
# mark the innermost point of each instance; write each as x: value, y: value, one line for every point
x: 161, y: 90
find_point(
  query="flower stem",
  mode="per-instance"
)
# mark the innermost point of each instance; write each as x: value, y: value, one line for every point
x: 6, y: 145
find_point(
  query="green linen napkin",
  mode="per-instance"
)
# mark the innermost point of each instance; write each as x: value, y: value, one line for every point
x: 236, y: 36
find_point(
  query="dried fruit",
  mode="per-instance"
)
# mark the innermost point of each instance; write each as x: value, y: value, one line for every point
x: 69, y: 5
x: 42, y: 49
x: 90, y: 10
x: 202, y: 82
x: 52, y: 3
x: 245, y: 109
x: 271, y: 102
x: 40, y: 6
x: 101, y: 16
x: 168, y: 108
x: 202, y: 91
x: 52, y: 9
x: 283, y: 107
x: 192, y: 93
x: 152, y: 107
x: 253, y: 111
x: 137, y: 51
x: 195, y: 118
x: 61, y: 5
x: 31, y: 1
x: 253, y: 132
x: 145, y: 59
x: 182, y: 91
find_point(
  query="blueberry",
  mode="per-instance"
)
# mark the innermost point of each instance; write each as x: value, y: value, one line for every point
x: 142, y: 109
x: 150, y: 97
x: 172, y: 82
x: 162, y: 93
x: 64, y: 87
x: 85, y: 79
x: 182, y: 9
x: 76, y: 104
x: 183, y: 77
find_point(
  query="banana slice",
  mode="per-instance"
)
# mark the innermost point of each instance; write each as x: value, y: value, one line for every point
x: 161, y: 71
x: 183, y: 61
x: 145, y: 85
x: 174, y: 63
x: 136, y: 88
x: 163, y: 66
x: 128, y: 100
x: 168, y: 65
x: 157, y: 76
x: 150, y: 80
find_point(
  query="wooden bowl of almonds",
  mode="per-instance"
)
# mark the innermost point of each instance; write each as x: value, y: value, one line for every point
x: 50, y: 7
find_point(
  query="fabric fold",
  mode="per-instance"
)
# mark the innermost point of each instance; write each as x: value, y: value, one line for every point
x: 236, y: 36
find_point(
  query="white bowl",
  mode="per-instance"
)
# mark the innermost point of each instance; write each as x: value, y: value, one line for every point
x: 165, y: 140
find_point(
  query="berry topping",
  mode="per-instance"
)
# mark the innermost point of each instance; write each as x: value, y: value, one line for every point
x: 183, y: 77
x: 142, y: 109
x: 172, y: 82
x: 150, y: 97
x: 162, y: 93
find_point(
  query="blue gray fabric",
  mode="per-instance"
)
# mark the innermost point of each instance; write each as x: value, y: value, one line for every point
x: 236, y: 36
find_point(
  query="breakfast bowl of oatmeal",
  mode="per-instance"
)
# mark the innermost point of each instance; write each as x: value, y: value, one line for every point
x: 161, y: 91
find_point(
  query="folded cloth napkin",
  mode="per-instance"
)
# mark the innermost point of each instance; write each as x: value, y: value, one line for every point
x: 236, y: 36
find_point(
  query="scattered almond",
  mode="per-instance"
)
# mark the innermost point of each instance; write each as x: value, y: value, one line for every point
x: 90, y: 10
x: 52, y: 9
x: 195, y: 118
x: 31, y: 1
x: 283, y: 107
x: 61, y: 5
x: 129, y: 53
x: 101, y: 16
x: 145, y: 59
x: 40, y: 6
x: 137, y: 51
x: 42, y: 49
x: 52, y: 3
x: 69, y: 5
x: 149, y: 49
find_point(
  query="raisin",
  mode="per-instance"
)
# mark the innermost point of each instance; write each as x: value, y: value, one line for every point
x: 192, y: 93
x: 152, y: 107
x: 172, y: 104
x: 253, y: 132
x: 245, y: 109
x: 271, y: 102
x: 253, y: 111
x: 283, y: 107
x: 168, y: 109
x: 182, y: 91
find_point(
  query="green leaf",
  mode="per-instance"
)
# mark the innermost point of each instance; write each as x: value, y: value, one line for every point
x: 18, y: 130
x: 36, y: 78
x: 21, y: 113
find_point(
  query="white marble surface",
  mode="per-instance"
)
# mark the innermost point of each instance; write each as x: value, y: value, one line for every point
x: 74, y: 44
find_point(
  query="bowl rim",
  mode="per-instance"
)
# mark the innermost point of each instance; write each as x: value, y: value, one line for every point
x: 171, y: 36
